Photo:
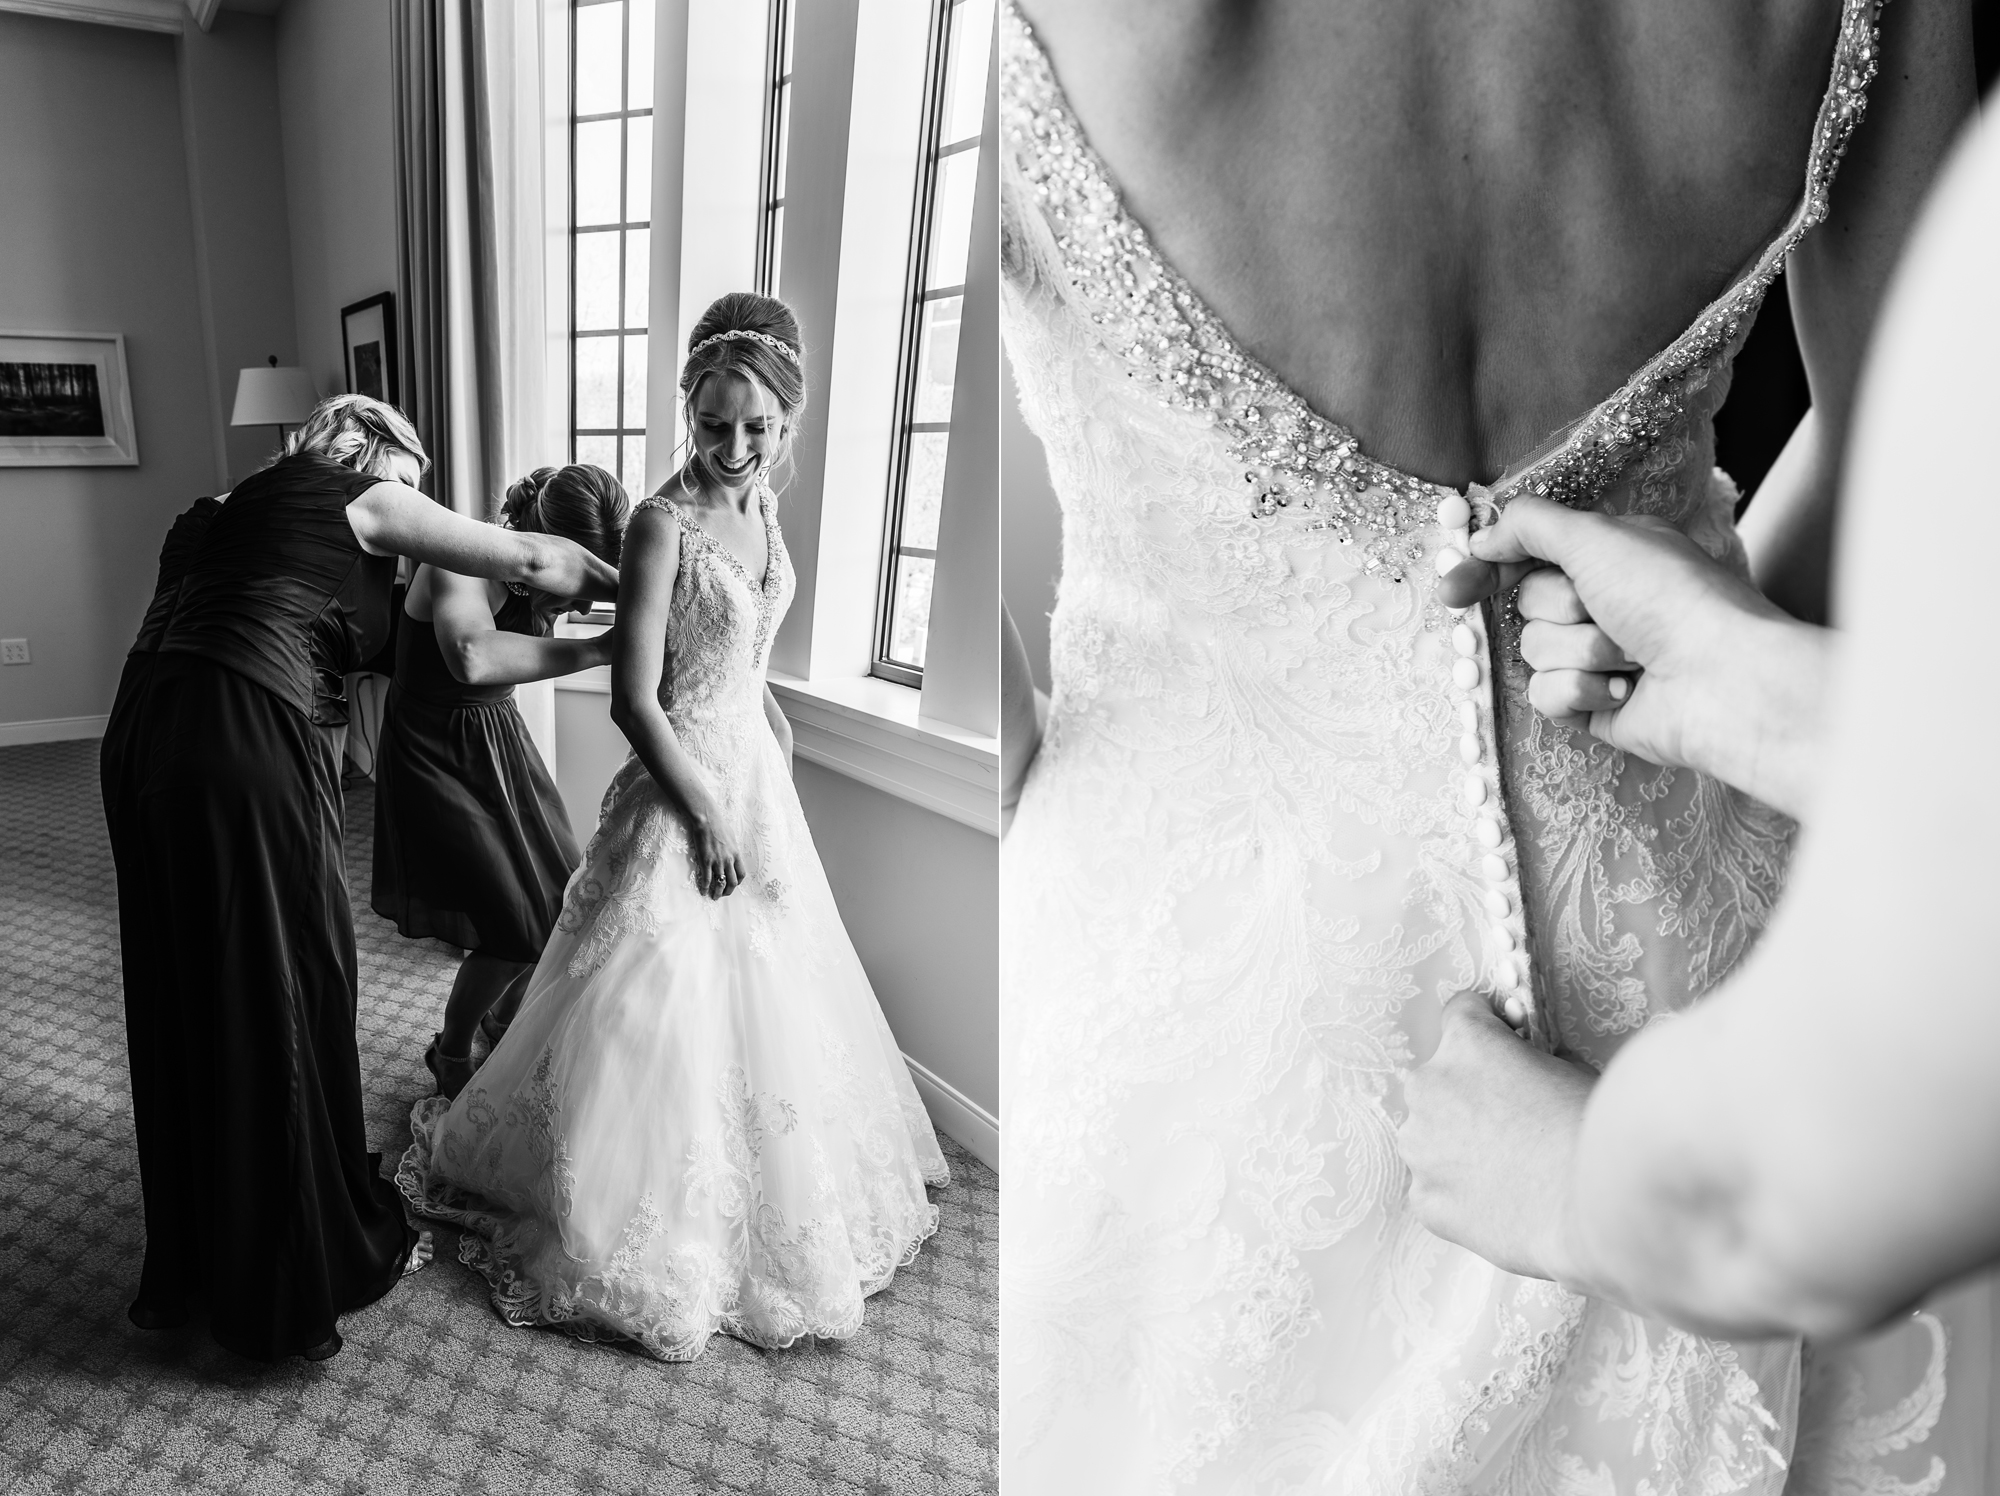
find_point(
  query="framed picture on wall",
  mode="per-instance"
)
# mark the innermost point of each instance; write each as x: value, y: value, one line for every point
x: 368, y: 334
x: 65, y: 400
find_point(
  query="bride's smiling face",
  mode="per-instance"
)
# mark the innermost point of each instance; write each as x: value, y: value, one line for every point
x: 738, y: 430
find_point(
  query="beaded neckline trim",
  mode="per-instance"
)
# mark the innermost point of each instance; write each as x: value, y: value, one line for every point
x: 765, y: 503
x: 765, y: 594
x: 1293, y: 455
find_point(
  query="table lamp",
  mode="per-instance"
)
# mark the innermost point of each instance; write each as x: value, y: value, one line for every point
x: 273, y: 397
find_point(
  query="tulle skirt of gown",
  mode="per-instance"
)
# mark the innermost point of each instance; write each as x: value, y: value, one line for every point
x: 699, y: 1119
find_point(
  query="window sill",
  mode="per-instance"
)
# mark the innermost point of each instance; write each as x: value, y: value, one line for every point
x: 870, y: 730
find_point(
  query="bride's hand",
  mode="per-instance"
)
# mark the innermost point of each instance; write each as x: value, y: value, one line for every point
x: 718, y: 859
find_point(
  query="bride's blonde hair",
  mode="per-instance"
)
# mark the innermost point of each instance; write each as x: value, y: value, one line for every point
x: 756, y: 338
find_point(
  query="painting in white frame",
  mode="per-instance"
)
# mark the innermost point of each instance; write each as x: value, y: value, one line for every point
x: 65, y: 400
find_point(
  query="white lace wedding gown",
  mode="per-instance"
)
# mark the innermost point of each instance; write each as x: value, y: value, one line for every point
x: 699, y: 1119
x: 1281, y: 814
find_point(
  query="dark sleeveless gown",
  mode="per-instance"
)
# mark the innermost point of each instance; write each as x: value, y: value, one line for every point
x: 472, y: 844
x: 222, y: 797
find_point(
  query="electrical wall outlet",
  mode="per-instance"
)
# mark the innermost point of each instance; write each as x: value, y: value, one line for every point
x: 14, y: 652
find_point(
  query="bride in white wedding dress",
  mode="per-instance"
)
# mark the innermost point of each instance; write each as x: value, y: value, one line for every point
x: 698, y: 1120
x: 1286, y: 803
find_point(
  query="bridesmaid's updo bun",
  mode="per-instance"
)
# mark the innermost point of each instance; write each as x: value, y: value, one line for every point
x: 580, y: 502
x: 756, y: 337
x: 358, y: 432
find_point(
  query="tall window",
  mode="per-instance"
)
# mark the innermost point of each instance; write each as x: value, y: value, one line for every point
x: 777, y: 119
x: 954, y: 108
x: 611, y: 188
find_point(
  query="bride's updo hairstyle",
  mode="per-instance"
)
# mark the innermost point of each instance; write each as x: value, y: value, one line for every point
x: 358, y: 432
x: 756, y: 337
x: 580, y: 502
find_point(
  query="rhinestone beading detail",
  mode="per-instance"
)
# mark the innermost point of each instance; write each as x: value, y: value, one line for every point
x: 1145, y: 312
x: 1627, y: 425
x: 1291, y: 454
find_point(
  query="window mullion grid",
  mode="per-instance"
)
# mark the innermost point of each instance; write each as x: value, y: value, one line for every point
x: 624, y: 216
x: 936, y: 63
x: 572, y: 232
x: 776, y: 101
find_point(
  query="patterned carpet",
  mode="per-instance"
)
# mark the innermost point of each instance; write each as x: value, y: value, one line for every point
x: 433, y: 1393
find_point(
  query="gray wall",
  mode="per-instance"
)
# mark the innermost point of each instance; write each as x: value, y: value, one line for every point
x: 96, y: 236
x: 340, y: 168
x: 236, y: 171
x: 919, y: 895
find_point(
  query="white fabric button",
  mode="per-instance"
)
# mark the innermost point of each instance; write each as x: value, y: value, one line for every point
x: 1488, y: 832
x: 1464, y: 640
x: 1496, y: 903
x: 1468, y: 748
x: 1454, y: 513
x: 1475, y: 790
x: 1465, y: 672
x: 1468, y: 716
x: 1447, y: 559
x: 1504, y: 938
x: 1494, y: 866
x: 1515, y: 1011
x: 1506, y: 976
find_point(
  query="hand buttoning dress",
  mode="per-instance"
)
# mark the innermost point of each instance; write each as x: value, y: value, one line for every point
x: 1281, y: 813
x: 699, y: 1119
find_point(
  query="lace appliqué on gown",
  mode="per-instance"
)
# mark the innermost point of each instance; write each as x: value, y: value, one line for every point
x: 1242, y: 880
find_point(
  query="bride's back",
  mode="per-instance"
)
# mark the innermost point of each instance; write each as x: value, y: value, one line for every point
x: 1452, y: 227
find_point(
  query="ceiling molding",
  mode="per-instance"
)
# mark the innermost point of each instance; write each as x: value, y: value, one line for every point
x: 203, y: 12
x: 169, y: 16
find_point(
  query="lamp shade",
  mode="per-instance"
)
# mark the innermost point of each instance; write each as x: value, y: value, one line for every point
x: 273, y: 397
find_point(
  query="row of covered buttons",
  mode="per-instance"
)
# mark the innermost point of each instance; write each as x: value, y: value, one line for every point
x: 1454, y: 517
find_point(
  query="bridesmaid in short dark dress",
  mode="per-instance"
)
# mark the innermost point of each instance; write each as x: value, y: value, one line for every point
x: 472, y: 844
x: 222, y: 797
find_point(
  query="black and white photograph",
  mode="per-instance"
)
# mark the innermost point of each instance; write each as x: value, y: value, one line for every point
x: 50, y: 400
x: 64, y: 400
x: 1357, y: 631
x: 368, y: 334
x: 1496, y: 987
x: 499, y: 811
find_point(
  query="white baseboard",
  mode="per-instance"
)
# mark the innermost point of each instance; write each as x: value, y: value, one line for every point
x: 51, y: 730
x: 958, y: 1116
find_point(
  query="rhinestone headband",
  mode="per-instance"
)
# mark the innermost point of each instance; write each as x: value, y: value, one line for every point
x: 736, y: 333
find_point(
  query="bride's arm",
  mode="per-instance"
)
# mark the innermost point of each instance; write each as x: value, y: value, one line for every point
x: 652, y: 559
x: 1021, y: 708
x: 781, y: 727
x: 1836, y: 277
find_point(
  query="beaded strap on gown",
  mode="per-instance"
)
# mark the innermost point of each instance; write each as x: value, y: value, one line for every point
x: 1281, y: 813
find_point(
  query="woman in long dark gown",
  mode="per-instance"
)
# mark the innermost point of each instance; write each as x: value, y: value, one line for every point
x: 222, y: 795
x: 472, y: 844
